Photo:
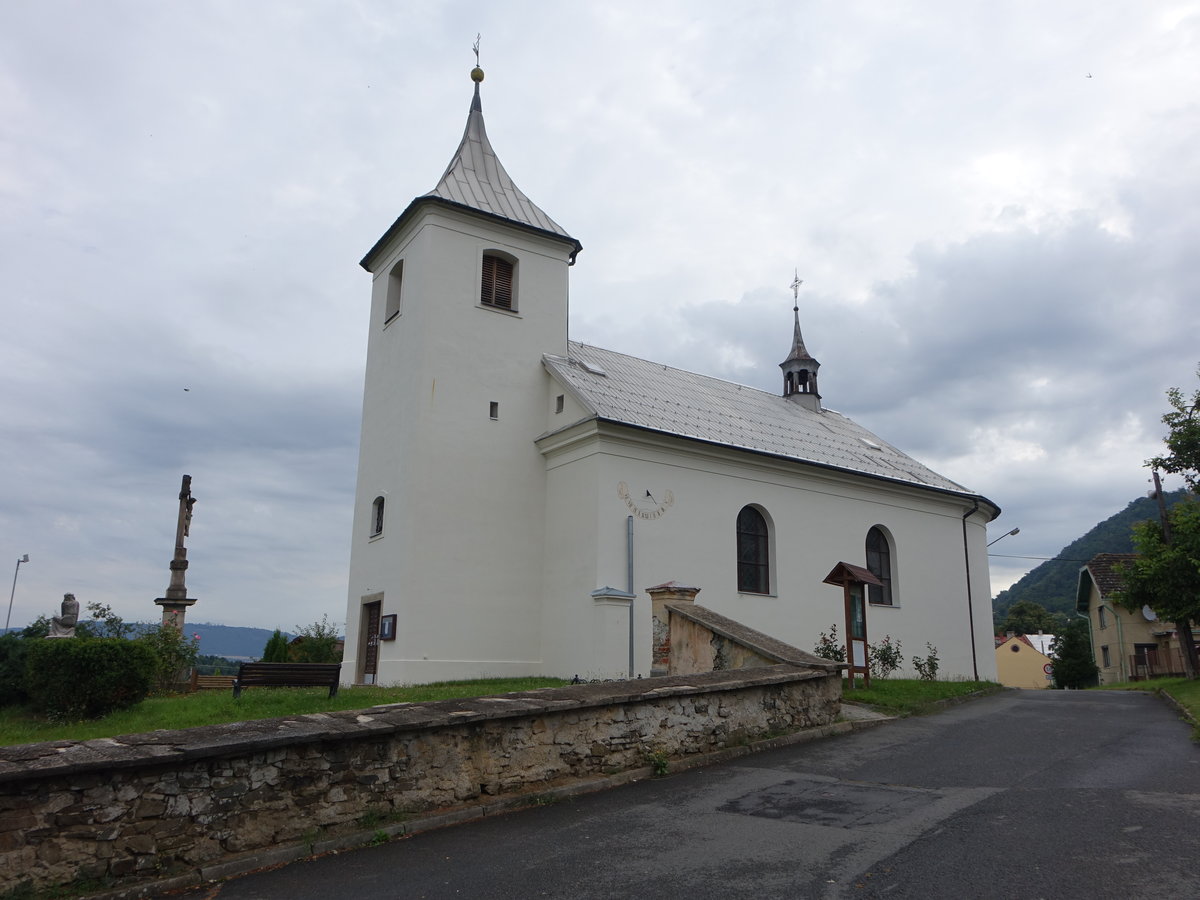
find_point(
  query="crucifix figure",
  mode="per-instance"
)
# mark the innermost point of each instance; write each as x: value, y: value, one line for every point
x: 176, y: 601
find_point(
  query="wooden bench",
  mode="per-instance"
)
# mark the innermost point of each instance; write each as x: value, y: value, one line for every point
x: 261, y: 674
x: 211, y: 682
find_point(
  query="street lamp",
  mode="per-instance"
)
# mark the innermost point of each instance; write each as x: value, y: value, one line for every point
x: 1003, y: 536
x: 13, y: 592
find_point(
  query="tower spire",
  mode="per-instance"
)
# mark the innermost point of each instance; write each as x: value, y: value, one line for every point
x: 800, y: 368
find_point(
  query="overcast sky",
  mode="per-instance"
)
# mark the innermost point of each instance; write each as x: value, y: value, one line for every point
x: 994, y: 208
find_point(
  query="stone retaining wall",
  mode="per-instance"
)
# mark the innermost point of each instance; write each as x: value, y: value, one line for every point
x: 185, y: 804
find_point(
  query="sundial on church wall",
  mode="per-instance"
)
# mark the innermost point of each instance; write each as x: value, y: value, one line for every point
x: 644, y: 502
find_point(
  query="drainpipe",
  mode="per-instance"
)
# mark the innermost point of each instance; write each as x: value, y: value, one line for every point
x: 629, y: 583
x: 1120, y: 640
x: 970, y: 600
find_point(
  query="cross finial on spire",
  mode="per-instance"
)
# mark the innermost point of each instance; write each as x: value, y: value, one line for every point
x: 795, y: 286
x: 476, y: 73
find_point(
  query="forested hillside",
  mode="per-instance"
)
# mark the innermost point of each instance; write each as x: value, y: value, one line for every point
x: 1052, y: 584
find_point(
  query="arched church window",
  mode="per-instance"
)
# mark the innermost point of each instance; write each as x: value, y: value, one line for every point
x: 753, y: 552
x: 497, y: 282
x: 879, y: 563
x: 377, y: 517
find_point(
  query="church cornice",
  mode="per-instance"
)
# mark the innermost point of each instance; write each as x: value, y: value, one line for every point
x: 575, y: 437
x: 379, y: 250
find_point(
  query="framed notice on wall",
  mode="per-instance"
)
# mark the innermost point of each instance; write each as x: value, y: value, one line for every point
x: 387, y: 628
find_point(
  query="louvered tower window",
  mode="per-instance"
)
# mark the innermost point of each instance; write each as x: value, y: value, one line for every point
x: 496, y: 288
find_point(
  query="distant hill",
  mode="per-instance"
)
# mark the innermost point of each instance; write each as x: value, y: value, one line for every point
x: 1053, y: 583
x: 230, y: 641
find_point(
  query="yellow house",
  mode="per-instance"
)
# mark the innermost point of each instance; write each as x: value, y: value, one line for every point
x: 1127, y: 645
x: 1023, y: 661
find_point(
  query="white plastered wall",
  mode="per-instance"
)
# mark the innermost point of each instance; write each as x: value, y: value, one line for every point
x: 818, y: 518
x: 460, y: 557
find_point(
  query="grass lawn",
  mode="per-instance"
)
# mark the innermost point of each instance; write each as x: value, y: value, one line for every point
x: 910, y: 696
x: 1185, y: 692
x: 17, y: 726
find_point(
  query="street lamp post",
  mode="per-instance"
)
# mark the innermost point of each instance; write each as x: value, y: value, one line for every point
x: 13, y: 592
x: 1006, y: 534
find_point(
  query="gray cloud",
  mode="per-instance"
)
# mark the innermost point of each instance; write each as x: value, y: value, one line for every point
x: 998, y: 251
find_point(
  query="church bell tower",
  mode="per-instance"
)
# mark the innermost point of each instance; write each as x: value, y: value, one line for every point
x: 469, y: 291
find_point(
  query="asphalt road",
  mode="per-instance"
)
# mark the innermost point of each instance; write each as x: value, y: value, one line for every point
x: 1026, y: 794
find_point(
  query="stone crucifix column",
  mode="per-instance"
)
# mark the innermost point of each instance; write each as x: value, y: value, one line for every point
x: 175, y: 603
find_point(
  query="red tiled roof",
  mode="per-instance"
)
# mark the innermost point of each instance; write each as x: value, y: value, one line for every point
x: 1103, y: 569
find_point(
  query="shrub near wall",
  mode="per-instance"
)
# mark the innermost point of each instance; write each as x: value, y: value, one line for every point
x: 207, y: 802
x: 13, y: 653
x: 72, y: 678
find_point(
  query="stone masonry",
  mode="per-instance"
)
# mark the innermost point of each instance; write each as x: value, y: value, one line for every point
x: 141, y: 808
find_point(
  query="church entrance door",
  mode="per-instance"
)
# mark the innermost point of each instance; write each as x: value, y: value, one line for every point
x: 371, y: 646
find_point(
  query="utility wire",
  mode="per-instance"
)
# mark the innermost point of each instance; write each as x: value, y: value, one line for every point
x: 1046, y: 558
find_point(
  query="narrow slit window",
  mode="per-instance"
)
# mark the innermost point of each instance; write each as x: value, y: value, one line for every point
x: 558, y: 403
x: 377, y: 517
x: 395, y: 283
x: 494, y: 410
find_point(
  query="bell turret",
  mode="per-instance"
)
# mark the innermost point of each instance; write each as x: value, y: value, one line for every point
x: 800, y: 369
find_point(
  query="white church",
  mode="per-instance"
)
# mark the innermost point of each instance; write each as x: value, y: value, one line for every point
x: 518, y: 492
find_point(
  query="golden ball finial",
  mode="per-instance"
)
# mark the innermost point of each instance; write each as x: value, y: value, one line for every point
x: 477, y: 74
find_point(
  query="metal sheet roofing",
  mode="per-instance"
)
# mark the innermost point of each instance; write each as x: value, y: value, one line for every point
x: 650, y: 395
x: 476, y: 179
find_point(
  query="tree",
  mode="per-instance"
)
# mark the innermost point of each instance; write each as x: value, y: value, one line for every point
x: 1166, y: 574
x: 1027, y: 617
x: 106, y: 623
x: 1074, y: 661
x: 1183, y: 438
x: 317, y: 642
x: 276, y: 649
x: 174, y: 656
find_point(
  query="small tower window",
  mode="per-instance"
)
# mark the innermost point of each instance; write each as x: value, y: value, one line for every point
x: 377, y: 517
x: 394, y: 283
x: 496, y: 284
x: 558, y: 403
x: 494, y: 410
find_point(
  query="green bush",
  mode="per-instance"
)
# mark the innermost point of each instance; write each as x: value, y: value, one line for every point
x: 828, y: 646
x: 13, y: 650
x: 884, y: 658
x: 927, y: 667
x: 174, y: 655
x: 71, y: 679
x: 317, y: 643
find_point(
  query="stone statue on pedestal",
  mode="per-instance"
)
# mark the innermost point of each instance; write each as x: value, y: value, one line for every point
x: 63, y: 626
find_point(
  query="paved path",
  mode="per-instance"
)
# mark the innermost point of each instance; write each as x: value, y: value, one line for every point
x: 1024, y: 794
